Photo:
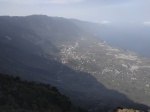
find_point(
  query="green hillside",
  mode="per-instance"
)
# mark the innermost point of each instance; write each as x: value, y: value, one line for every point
x: 24, y: 96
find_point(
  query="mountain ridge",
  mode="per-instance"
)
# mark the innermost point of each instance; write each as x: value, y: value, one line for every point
x: 58, y: 51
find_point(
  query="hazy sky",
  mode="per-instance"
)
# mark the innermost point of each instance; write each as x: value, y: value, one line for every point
x: 102, y: 11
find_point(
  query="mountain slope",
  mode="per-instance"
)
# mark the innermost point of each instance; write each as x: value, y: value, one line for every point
x: 60, y: 52
x: 23, y: 96
x: 133, y: 37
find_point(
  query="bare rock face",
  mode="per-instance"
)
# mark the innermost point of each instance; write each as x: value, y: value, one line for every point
x: 125, y: 110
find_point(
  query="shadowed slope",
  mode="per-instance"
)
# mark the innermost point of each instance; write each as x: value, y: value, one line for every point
x: 37, y: 48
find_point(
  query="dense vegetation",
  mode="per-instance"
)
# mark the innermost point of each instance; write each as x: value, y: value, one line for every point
x: 24, y: 96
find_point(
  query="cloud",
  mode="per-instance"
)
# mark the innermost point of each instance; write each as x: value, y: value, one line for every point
x: 105, y: 22
x: 147, y: 23
x: 42, y: 1
x: 63, y: 1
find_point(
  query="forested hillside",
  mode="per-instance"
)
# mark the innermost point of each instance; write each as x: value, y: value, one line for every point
x: 24, y: 96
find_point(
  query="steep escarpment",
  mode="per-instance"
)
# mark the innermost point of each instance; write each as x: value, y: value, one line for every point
x: 61, y: 52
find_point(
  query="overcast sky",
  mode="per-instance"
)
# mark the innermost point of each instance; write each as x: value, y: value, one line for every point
x: 102, y: 11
